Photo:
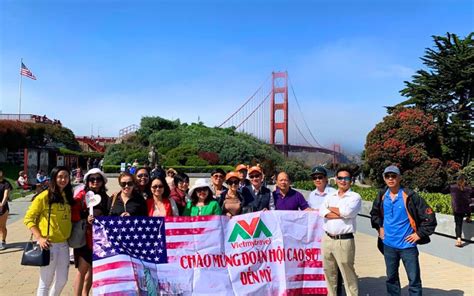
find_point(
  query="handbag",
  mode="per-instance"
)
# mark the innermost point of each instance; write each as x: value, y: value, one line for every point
x: 77, y: 239
x: 34, y: 255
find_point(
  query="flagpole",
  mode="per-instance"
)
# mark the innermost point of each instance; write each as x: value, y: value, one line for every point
x: 19, y: 102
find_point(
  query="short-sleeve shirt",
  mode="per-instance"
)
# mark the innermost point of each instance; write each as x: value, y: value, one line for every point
x: 292, y: 201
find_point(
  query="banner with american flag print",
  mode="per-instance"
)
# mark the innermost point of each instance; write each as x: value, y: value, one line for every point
x: 263, y: 253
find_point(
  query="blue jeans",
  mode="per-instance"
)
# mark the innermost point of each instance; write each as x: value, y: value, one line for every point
x: 410, y: 261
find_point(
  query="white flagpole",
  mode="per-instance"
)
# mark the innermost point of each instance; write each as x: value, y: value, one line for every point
x: 19, y: 103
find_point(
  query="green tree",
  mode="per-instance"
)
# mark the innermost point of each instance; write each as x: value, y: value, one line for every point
x: 446, y: 90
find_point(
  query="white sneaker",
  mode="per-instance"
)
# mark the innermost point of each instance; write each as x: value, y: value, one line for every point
x: 2, y: 245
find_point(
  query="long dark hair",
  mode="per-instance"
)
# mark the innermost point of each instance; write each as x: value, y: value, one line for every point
x: 166, y: 187
x: 461, y: 181
x: 102, y: 190
x: 54, y: 193
x: 147, y: 189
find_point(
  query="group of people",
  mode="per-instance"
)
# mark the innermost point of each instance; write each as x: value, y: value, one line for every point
x: 401, y: 217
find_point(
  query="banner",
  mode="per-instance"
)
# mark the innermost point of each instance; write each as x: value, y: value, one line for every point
x: 263, y: 253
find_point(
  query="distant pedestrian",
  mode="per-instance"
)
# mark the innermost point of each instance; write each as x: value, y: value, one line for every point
x: 461, y: 194
x: 403, y: 220
x: 339, y: 210
x: 5, y: 188
x: 50, y: 213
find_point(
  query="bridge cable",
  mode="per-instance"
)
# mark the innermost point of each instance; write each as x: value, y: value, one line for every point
x: 256, y: 108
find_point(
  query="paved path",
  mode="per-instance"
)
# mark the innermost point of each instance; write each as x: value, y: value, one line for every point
x: 440, y: 276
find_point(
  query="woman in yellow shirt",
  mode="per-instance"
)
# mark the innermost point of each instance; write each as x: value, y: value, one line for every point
x: 57, y: 200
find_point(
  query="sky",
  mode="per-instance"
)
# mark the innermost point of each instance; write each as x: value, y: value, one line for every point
x: 103, y: 65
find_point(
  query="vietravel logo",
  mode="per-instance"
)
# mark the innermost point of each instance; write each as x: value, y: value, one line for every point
x: 253, y: 234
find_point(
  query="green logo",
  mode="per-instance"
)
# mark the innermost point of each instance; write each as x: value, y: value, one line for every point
x: 246, y: 231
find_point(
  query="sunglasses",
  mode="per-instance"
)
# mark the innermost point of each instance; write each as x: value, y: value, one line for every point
x: 126, y: 184
x: 318, y: 177
x: 347, y: 179
x: 236, y: 182
x: 254, y: 176
x: 391, y: 176
x: 154, y: 187
x: 142, y: 176
x: 93, y: 179
x: 202, y: 189
x: 218, y: 177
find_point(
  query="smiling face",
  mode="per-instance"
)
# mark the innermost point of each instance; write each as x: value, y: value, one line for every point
x: 127, y: 184
x: 392, y: 180
x: 62, y: 179
x: 256, y: 179
x: 233, y: 184
x: 217, y: 179
x: 202, y: 193
x: 283, y: 182
x: 142, y: 177
x: 320, y: 181
x: 183, y: 185
x: 343, y: 180
x: 157, y: 188
x: 95, y: 182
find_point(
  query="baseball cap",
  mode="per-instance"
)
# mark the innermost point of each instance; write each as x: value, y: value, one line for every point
x: 392, y: 169
x: 319, y: 170
x: 255, y: 168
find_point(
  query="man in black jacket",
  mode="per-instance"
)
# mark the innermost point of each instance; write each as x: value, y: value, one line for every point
x: 403, y: 219
x: 257, y: 197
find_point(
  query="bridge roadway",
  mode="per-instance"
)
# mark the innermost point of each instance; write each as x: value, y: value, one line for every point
x: 439, y: 276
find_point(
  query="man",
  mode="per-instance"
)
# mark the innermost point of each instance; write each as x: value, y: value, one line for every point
x: 315, y: 200
x: 242, y: 170
x: 217, y: 182
x: 320, y: 180
x: 257, y: 197
x: 286, y: 198
x: 403, y: 220
x: 339, y: 210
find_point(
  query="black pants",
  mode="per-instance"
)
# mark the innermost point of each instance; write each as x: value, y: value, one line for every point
x: 458, y: 222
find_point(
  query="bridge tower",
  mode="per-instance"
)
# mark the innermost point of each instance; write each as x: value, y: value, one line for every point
x: 278, y: 91
x: 336, y: 148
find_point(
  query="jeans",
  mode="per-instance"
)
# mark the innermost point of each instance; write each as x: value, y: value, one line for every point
x: 53, y: 277
x: 410, y: 261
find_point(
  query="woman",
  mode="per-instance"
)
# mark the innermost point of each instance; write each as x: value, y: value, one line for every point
x: 460, y: 199
x: 170, y: 173
x: 231, y: 201
x: 161, y: 205
x: 5, y: 188
x: 142, y: 175
x: 201, y: 202
x: 178, y: 193
x: 128, y: 202
x: 94, y: 181
x: 55, y: 202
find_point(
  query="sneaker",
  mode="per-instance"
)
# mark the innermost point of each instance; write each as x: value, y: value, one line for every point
x: 3, y: 245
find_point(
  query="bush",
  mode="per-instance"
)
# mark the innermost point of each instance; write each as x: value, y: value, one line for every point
x: 111, y: 168
x: 201, y: 169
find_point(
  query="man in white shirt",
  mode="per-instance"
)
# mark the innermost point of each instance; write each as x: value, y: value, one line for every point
x: 320, y: 179
x: 340, y: 210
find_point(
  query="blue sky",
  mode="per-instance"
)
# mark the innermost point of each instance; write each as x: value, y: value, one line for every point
x: 105, y: 64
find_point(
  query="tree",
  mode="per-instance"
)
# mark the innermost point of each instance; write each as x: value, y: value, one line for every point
x: 446, y: 90
x: 408, y: 138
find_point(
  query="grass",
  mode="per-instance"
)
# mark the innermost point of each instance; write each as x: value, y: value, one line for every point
x: 10, y: 173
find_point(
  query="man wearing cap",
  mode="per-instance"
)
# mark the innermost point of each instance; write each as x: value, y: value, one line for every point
x: 217, y: 182
x: 257, y: 197
x: 320, y: 180
x: 242, y: 170
x: 286, y: 198
x: 403, y: 220
x: 339, y: 210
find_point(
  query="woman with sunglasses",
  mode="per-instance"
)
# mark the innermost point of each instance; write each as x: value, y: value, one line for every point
x: 231, y: 201
x: 128, y: 202
x: 142, y: 176
x: 160, y: 205
x: 201, y: 202
x: 94, y: 181
x: 49, y: 220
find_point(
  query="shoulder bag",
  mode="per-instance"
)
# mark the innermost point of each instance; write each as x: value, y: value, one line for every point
x: 34, y: 255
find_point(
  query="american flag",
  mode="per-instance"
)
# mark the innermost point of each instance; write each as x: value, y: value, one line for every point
x: 26, y: 72
x: 122, y: 266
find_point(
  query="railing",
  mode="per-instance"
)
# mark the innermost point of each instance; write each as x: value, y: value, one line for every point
x: 29, y: 118
x: 128, y: 130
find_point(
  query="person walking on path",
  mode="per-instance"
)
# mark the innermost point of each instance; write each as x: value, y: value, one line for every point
x: 461, y: 194
x: 94, y: 181
x: 55, y: 204
x: 5, y: 188
x: 403, y: 219
x: 339, y: 210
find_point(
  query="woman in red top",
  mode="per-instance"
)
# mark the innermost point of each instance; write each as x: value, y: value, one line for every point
x: 161, y: 205
x: 95, y: 181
